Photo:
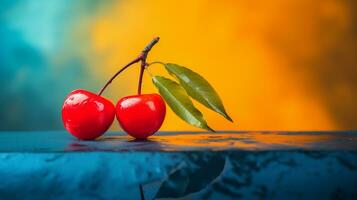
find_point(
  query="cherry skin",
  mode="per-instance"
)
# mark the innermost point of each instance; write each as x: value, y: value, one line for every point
x: 87, y: 115
x: 141, y: 115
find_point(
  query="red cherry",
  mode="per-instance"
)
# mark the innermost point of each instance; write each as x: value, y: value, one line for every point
x: 141, y: 115
x: 87, y: 115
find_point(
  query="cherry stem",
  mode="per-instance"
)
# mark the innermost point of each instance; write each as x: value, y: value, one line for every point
x: 142, y: 57
x: 157, y: 62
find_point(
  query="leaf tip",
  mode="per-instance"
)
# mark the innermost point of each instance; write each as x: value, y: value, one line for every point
x: 209, y: 129
x: 225, y: 115
x: 228, y: 117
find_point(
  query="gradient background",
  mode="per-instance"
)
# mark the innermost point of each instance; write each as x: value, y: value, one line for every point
x: 278, y: 65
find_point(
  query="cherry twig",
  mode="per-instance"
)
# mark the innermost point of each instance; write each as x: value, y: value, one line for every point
x: 141, y: 58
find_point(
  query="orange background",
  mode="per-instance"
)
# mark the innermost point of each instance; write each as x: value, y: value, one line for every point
x: 272, y: 62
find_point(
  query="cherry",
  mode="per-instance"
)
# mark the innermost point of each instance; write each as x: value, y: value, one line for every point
x: 141, y: 115
x: 87, y: 115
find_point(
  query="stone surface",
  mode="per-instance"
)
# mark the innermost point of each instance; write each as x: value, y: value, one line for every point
x: 227, y: 165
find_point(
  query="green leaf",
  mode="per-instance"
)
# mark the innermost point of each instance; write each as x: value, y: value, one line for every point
x: 178, y: 100
x: 198, y: 88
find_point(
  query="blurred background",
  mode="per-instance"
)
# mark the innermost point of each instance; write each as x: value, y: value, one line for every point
x: 277, y: 65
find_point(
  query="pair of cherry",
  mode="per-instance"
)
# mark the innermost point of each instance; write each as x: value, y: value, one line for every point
x: 87, y: 115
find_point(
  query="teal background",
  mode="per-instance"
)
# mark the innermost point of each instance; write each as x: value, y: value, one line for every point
x: 39, y: 62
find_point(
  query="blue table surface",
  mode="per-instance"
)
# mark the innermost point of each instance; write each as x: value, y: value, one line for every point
x: 61, y: 141
x: 179, y: 165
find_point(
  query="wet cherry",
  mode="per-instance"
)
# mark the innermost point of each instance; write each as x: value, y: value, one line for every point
x: 87, y: 115
x: 141, y: 115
